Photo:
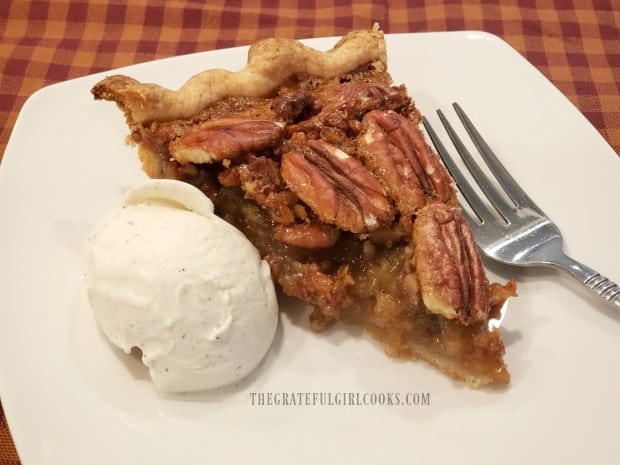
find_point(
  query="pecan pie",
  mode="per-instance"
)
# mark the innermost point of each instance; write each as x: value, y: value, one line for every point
x: 318, y: 158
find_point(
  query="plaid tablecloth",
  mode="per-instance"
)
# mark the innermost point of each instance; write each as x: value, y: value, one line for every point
x: 575, y: 43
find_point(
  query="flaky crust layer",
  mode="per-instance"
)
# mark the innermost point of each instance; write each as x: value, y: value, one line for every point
x: 270, y: 62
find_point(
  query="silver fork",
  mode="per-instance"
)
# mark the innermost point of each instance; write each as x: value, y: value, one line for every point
x: 522, y: 234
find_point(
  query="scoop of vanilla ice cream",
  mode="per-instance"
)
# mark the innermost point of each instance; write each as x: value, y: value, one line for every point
x: 167, y: 275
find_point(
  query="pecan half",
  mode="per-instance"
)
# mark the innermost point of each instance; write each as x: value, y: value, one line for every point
x: 452, y: 280
x: 342, y: 105
x: 225, y: 139
x: 356, y: 98
x: 394, y: 149
x: 314, y: 235
x: 336, y: 187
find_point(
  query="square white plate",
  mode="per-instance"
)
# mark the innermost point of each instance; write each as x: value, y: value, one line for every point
x: 70, y: 398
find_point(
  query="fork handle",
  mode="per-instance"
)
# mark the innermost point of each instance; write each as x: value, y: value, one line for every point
x: 591, y: 279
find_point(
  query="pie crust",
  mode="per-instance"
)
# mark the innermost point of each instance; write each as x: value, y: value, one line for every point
x: 270, y: 62
x: 319, y: 160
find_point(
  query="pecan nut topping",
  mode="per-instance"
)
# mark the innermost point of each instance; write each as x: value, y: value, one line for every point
x: 337, y: 187
x: 452, y: 280
x: 225, y: 139
x: 313, y: 235
x: 328, y: 292
x: 353, y: 99
x: 394, y: 149
x: 260, y: 181
x: 341, y: 106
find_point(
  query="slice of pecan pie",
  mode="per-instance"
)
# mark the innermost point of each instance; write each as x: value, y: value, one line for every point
x: 318, y: 158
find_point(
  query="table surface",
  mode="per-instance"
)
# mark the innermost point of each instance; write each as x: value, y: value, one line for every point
x: 575, y: 43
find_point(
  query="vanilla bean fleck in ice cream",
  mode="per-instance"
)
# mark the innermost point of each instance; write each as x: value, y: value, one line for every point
x: 168, y: 276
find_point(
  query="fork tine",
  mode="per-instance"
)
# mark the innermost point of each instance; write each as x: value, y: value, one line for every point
x: 470, y: 195
x: 508, y: 183
x: 487, y: 187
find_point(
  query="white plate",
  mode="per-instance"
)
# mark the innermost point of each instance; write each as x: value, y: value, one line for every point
x: 71, y: 399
